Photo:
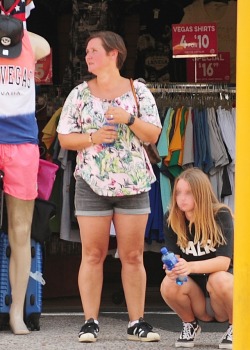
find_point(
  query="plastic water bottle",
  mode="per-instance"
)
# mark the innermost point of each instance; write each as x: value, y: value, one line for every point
x: 169, y: 259
x: 110, y: 144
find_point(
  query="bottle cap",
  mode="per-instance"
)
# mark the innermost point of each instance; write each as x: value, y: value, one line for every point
x: 164, y: 250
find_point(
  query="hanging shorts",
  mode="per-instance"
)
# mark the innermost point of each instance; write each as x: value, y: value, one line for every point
x: 20, y: 166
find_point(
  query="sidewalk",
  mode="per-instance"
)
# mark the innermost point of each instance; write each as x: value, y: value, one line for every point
x: 59, y: 331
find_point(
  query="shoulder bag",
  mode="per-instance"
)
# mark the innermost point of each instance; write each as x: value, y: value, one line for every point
x: 151, y: 149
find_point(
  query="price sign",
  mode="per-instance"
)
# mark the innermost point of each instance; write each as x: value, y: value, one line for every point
x: 209, y: 69
x: 194, y: 40
x: 43, y: 71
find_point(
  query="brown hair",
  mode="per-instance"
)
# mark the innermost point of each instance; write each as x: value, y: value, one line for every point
x: 205, y: 208
x: 111, y: 41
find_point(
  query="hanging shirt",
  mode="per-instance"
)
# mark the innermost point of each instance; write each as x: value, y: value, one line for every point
x: 17, y: 90
x: 20, y: 9
x: 225, y: 17
x: 154, y: 53
x: 88, y: 16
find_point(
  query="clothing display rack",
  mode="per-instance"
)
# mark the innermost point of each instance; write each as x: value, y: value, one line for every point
x: 191, y: 87
x: 198, y: 128
x: 193, y: 95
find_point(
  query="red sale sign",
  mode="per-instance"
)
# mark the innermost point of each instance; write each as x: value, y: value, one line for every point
x: 209, y: 69
x: 194, y: 40
x: 43, y: 71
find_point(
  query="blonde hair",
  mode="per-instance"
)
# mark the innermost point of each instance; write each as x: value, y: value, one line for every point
x: 205, y: 209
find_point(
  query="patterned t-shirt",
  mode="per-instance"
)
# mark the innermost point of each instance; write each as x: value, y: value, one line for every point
x: 120, y: 169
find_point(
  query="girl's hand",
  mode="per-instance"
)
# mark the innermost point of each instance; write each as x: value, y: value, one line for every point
x: 170, y: 273
x: 182, y: 267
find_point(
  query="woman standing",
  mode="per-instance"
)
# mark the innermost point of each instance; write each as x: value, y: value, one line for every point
x: 113, y: 176
x: 199, y: 230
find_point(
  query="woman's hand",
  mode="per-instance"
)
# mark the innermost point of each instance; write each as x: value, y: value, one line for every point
x: 117, y: 115
x: 146, y: 132
x: 106, y: 134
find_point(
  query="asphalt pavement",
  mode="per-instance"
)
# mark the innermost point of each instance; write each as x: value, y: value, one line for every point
x: 60, y: 331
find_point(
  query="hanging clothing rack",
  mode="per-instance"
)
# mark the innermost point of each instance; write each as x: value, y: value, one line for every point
x: 187, y: 88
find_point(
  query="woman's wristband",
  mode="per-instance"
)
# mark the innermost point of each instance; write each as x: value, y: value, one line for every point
x: 91, y: 139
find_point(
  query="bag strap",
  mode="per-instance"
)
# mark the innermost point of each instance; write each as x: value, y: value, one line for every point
x: 134, y: 94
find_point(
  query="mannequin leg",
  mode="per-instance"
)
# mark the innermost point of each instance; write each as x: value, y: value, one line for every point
x: 20, y: 213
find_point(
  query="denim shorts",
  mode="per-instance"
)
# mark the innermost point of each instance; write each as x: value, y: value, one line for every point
x: 88, y: 203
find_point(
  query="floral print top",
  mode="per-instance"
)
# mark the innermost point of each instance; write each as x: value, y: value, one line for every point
x: 117, y: 170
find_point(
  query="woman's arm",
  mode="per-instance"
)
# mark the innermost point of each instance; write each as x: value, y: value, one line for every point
x: 146, y: 132
x: 74, y: 141
x: 147, y: 126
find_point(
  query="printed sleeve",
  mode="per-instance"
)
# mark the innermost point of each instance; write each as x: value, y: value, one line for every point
x: 170, y: 237
x: 225, y: 220
x: 148, y: 108
x: 70, y: 118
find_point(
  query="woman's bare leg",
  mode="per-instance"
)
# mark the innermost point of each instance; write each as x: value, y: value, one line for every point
x: 95, y: 233
x: 130, y: 231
